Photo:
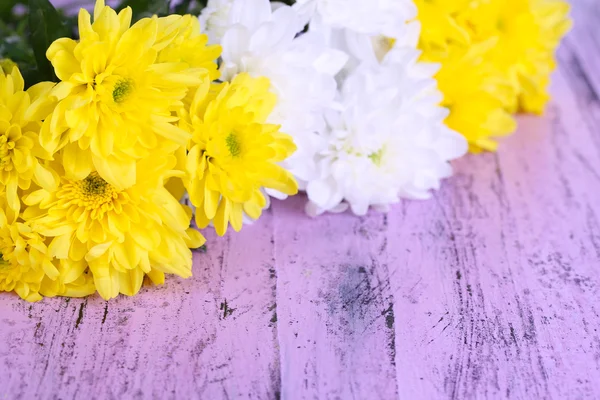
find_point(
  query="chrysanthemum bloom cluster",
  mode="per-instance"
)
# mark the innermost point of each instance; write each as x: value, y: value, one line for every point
x: 496, y: 57
x: 26, y: 264
x: 259, y: 41
x: 169, y: 120
x: 365, y: 119
x: 92, y: 167
x: 387, y: 140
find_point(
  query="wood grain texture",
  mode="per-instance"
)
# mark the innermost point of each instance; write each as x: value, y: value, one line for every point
x: 490, y: 290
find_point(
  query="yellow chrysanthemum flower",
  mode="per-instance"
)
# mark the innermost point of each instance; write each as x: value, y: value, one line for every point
x: 122, y: 234
x: 473, y: 90
x: 474, y: 95
x: 496, y: 58
x: 528, y: 33
x: 28, y: 269
x: 439, y: 26
x: 188, y: 45
x: 24, y: 259
x: 120, y: 85
x: 234, y: 152
x: 73, y: 280
x: 21, y: 113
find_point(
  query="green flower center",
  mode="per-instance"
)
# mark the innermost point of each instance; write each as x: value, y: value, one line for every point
x: 233, y: 145
x: 377, y: 156
x: 3, y: 263
x: 501, y: 24
x: 121, y: 90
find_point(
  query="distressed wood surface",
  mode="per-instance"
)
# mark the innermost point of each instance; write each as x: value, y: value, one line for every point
x: 489, y: 290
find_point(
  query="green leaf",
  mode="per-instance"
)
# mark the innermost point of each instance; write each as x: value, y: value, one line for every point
x: 183, y: 7
x: 45, y: 26
x: 29, y: 73
x: 146, y: 8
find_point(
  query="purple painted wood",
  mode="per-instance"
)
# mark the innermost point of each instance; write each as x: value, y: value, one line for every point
x: 489, y: 290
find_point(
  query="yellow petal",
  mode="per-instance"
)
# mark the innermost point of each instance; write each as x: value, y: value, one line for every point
x: 130, y: 282
x: 85, y: 26
x: 74, y: 270
x: 170, y: 131
x: 157, y: 277
x: 201, y: 220
x: 211, y: 202
x: 106, y: 280
x: 98, y: 7
x: 102, y: 144
x: 77, y: 162
x: 11, y: 195
x: 195, y: 239
x: 98, y: 251
x: 45, y: 177
x: 59, y: 247
x: 236, y: 216
x: 222, y: 217
x: 61, y: 55
x: 120, y: 174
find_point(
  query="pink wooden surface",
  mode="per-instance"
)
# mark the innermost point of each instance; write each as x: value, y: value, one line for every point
x: 489, y: 290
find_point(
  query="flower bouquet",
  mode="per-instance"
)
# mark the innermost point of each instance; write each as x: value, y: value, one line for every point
x: 124, y: 131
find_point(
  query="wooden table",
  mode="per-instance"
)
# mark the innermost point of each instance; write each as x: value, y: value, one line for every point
x: 489, y: 290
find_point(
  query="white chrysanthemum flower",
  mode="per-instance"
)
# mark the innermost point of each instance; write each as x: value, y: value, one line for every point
x: 383, y: 137
x: 365, y: 31
x: 215, y: 19
x: 383, y: 17
x: 365, y: 48
x: 388, y: 142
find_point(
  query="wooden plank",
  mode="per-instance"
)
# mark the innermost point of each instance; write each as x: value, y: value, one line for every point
x: 208, y: 336
x: 334, y: 305
x: 502, y: 270
x: 584, y: 40
x: 242, y: 358
x: 487, y: 291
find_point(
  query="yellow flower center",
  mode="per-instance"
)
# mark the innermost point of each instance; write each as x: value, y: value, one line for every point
x: 93, y: 194
x: 94, y: 191
x: 6, y: 147
x: 122, y: 89
x: 233, y: 144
